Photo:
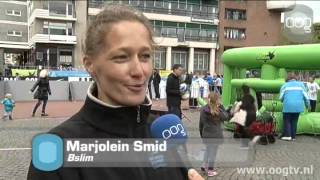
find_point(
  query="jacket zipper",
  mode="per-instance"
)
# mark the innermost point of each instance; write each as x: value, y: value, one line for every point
x: 138, y: 115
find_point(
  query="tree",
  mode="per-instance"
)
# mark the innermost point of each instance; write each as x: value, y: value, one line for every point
x: 316, y: 33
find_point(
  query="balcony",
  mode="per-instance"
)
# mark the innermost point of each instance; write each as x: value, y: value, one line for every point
x: 164, y: 7
x: 281, y: 5
x: 58, y: 39
x: 186, y: 34
x: 45, y: 14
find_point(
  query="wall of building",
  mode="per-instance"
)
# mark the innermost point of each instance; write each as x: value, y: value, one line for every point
x: 1, y: 63
x: 263, y: 27
x: 80, y: 31
x: 4, y: 33
x: 10, y: 6
x: 13, y: 22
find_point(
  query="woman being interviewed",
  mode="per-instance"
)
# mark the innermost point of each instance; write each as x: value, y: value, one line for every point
x: 118, y: 50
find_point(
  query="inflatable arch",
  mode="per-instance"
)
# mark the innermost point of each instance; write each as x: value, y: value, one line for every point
x: 274, y: 63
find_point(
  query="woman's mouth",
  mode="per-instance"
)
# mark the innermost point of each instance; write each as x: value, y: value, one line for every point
x: 136, y: 87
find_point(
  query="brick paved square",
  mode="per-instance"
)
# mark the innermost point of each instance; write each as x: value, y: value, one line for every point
x: 304, y: 152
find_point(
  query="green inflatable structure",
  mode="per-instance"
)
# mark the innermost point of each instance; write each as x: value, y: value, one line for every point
x: 274, y: 62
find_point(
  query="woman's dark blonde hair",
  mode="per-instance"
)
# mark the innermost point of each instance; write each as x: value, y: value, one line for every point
x: 214, y: 102
x: 101, y: 25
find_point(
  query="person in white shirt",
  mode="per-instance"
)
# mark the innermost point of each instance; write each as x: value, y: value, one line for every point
x: 218, y: 84
x: 313, y: 88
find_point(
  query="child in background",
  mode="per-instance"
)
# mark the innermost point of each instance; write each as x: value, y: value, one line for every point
x: 8, y: 105
x: 210, y: 126
x: 313, y: 89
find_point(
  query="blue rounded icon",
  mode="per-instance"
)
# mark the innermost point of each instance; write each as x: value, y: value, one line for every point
x: 47, y: 152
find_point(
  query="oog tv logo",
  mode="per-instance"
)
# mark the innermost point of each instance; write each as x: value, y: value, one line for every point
x: 173, y: 130
x: 299, y: 23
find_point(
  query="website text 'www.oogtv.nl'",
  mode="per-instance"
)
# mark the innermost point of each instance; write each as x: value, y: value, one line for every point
x: 284, y: 171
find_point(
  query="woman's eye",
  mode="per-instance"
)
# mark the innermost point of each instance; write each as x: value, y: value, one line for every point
x: 120, y: 58
x: 145, y: 57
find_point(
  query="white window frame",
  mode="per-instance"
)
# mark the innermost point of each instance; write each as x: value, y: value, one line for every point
x: 162, y: 59
x: 180, y: 60
x: 67, y: 9
x: 14, y: 33
x: 204, y: 59
x: 13, y: 12
x: 65, y: 58
x: 65, y: 26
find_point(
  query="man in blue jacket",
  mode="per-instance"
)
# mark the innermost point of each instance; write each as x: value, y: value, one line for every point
x: 294, y: 98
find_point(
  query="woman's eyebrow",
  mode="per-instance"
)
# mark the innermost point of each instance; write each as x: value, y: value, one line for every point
x: 130, y: 49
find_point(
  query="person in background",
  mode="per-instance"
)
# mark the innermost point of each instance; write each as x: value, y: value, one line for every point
x: 209, y: 79
x: 202, y: 84
x: 218, y: 84
x: 248, y: 105
x: 173, y: 90
x: 294, y: 97
x: 156, y: 82
x: 150, y: 87
x: 211, y: 127
x: 8, y: 105
x: 118, y: 50
x: 188, y: 80
x: 221, y: 77
x: 42, y: 92
x: 313, y: 89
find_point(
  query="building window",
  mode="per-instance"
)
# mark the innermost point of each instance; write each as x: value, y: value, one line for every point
x: 157, y: 30
x: 57, y: 28
x: 192, y: 34
x: 65, y: 57
x: 57, y: 8
x: 159, y: 59
x: 234, y: 33
x: 169, y: 32
x: 14, y: 33
x: 201, y: 61
x: 70, y: 10
x: 13, y: 13
x: 235, y: 14
x: 185, y: 31
x: 179, y: 57
x: 69, y: 29
x: 39, y: 55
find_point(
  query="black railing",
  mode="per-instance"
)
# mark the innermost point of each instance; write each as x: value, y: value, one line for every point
x: 165, y: 7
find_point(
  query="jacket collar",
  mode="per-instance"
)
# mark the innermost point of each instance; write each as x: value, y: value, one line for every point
x: 174, y: 75
x: 118, y: 120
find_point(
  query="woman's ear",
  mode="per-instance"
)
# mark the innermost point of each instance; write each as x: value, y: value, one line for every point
x: 87, y: 62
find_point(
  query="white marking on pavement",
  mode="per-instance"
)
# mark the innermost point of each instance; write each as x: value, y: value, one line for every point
x: 13, y: 149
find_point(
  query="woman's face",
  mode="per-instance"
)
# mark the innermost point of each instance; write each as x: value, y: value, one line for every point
x: 124, y: 65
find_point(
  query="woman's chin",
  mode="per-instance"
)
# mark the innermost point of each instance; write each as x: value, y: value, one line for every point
x: 134, y: 101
